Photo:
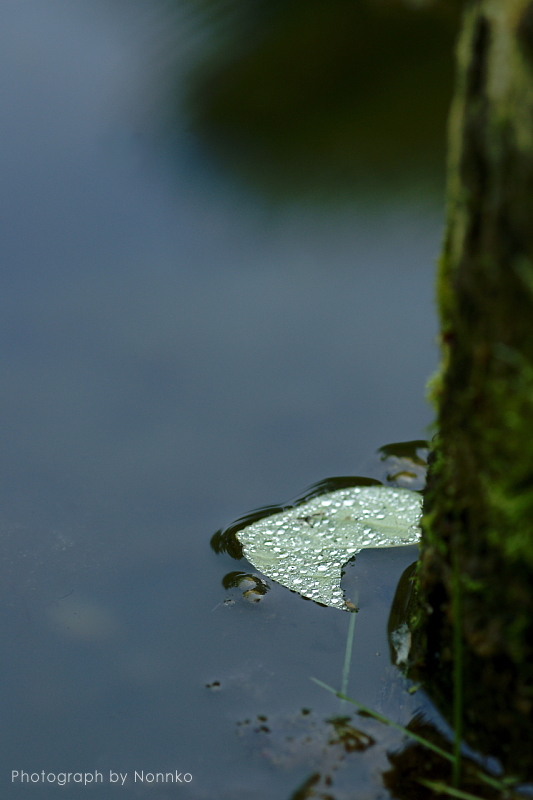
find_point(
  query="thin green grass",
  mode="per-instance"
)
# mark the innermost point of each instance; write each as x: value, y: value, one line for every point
x: 457, y: 677
x: 501, y: 785
x: 389, y: 722
x: 348, y: 654
x: 451, y: 791
x: 457, y: 704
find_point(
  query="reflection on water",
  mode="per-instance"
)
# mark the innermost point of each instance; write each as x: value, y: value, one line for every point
x: 406, y: 463
x: 173, y: 352
x: 305, y: 98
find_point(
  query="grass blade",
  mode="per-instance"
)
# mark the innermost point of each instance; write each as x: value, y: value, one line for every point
x: 348, y: 654
x: 441, y: 788
x: 389, y: 722
x: 457, y: 670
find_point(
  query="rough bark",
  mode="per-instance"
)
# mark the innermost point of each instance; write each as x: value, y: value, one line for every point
x: 478, y: 521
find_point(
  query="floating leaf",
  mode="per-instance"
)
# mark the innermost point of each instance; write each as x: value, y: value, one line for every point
x: 305, y: 548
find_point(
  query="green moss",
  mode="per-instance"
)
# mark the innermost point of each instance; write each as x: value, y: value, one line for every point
x: 478, y: 508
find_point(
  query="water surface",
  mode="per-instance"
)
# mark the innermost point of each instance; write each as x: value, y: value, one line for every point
x: 175, y: 352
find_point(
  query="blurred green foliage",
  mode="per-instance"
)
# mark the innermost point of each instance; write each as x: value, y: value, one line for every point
x: 308, y: 98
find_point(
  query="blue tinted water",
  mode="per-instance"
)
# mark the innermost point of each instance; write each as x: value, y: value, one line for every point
x: 174, y: 353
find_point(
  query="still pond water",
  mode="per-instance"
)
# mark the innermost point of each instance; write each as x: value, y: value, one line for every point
x: 174, y: 354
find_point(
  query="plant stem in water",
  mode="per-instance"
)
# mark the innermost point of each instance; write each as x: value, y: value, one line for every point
x: 348, y: 654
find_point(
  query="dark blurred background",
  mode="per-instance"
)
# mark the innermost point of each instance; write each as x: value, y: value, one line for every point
x: 219, y: 228
x: 309, y: 99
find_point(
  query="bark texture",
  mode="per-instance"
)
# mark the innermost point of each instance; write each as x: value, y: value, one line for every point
x: 479, y: 500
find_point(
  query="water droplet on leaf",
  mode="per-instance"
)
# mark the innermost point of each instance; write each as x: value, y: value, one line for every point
x: 309, y: 558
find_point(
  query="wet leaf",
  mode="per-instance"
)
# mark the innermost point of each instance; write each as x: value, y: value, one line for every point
x: 305, y: 548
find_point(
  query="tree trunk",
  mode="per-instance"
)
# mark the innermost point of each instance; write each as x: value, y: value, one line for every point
x: 477, y: 554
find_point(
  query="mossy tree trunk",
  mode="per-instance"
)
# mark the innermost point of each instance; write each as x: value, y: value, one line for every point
x: 478, y: 522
